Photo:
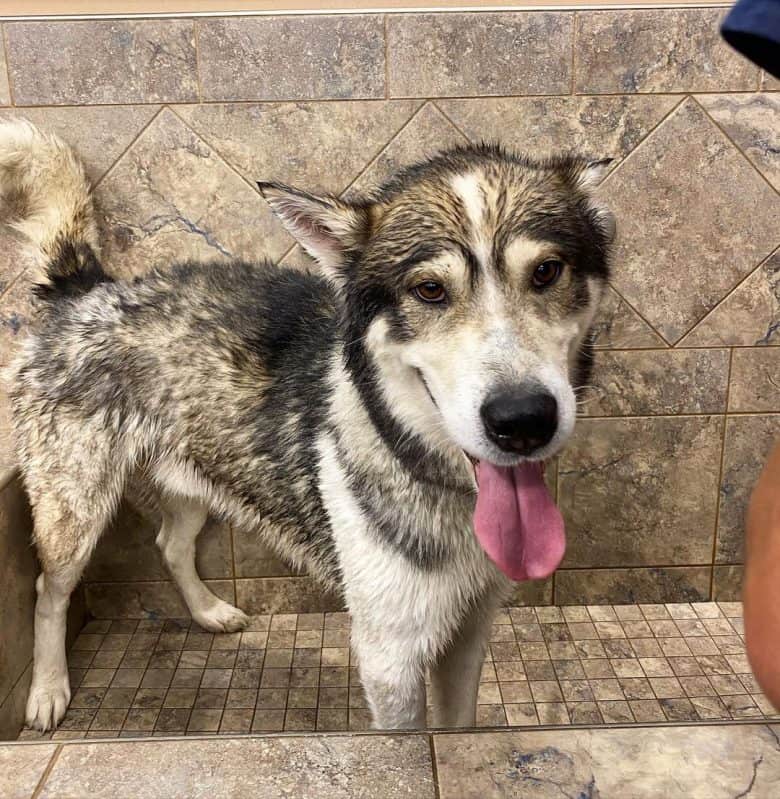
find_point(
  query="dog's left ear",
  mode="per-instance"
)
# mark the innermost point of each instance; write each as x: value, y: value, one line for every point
x: 591, y: 173
x: 326, y: 227
x: 587, y: 177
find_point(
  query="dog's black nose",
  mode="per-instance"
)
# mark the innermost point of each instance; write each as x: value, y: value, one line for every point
x: 520, y: 419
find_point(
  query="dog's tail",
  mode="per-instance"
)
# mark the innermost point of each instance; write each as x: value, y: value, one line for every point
x: 45, y: 196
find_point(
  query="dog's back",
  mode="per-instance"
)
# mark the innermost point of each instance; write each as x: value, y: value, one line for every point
x: 209, y: 380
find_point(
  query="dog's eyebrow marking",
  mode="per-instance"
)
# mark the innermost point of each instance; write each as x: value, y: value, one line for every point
x: 523, y: 250
x: 471, y: 192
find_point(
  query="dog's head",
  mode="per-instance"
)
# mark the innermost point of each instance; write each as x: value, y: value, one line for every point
x: 468, y: 285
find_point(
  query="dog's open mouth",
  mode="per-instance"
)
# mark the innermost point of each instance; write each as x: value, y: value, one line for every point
x: 516, y: 521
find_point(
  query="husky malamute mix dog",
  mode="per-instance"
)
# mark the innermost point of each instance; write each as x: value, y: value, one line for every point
x: 381, y: 424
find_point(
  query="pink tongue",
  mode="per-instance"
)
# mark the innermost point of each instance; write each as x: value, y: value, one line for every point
x: 517, y: 522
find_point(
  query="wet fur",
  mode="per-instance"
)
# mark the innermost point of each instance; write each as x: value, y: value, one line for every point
x: 281, y: 400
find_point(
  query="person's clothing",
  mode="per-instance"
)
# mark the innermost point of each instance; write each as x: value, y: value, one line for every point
x: 752, y: 27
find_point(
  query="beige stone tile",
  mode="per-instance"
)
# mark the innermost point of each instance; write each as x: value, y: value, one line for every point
x: 616, y: 712
x: 769, y: 83
x: 536, y: 126
x: 682, y: 207
x: 649, y: 382
x: 617, y: 475
x: 727, y: 582
x: 21, y: 768
x: 748, y: 442
x: 98, y: 134
x: 755, y: 380
x: 584, y: 713
x: 646, y: 710
x: 284, y: 594
x: 657, y: 51
x: 636, y: 688
x: 522, y: 715
x: 628, y: 613
x: 714, y: 761
x: 139, y: 599
x: 108, y: 62
x: 171, y: 197
x: 5, y: 92
x: 709, y: 708
x: 292, y: 58
x: 236, y: 721
x: 299, y: 143
x: 618, y: 325
x: 445, y: 55
x: 487, y: 716
x: 532, y: 592
x: 616, y: 585
x: 428, y: 132
x: 741, y: 707
x: 331, y: 769
x: 552, y: 713
x: 750, y: 121
x: 750, y: 315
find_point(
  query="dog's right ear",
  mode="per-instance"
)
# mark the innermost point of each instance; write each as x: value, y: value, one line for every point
x: 326, y: 227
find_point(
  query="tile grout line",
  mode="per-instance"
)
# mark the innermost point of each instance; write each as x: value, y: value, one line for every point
x: 421, y: 97
x: 437, y: 106
x: 384, y: 148
x: 720, y: 478
x: 387, y: 59
x: 720, y: 302
x: 47, y: 772
x: 196, y: 32
x: 124, y: 152
x: 7, y: 63
x: 574, y: 36
x: 724, y: 133
x: 434, y: 766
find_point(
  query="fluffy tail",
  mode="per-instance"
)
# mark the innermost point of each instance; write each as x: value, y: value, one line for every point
x: 45, y: 196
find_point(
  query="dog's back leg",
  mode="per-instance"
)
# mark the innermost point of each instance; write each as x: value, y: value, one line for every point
x: 70, y: 511
x: 183, y: 520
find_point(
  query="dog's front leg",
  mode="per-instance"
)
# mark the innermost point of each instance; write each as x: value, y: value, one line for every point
x: 392, y: 671
x: 455, y: 676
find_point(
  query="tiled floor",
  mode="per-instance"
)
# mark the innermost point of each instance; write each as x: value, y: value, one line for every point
x: 546, y: 665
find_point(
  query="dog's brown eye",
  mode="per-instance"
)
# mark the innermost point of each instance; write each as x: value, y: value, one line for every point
x: 430, y: 291
x: 547, y: 273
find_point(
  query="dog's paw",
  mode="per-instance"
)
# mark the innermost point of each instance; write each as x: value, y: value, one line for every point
x: 47, y: 703
x: 222, y: 618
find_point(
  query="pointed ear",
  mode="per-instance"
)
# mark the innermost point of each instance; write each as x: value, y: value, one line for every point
x: 593, y: 172
x: 326, y: 227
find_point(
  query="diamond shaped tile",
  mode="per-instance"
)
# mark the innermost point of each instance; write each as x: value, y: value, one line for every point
x: 171, y: 197
x: 427, y: 133
x: 693, y: 219
x: 617, y: 324
x: 316, y: 146
x: 750, y: 315
x: 99, y: 134
x: 597, y: 126
x: 751, y: 122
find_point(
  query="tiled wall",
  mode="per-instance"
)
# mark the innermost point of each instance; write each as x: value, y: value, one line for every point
x: 176, y: 118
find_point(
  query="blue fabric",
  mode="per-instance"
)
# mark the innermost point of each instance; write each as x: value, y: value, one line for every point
x: 753, y: 28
